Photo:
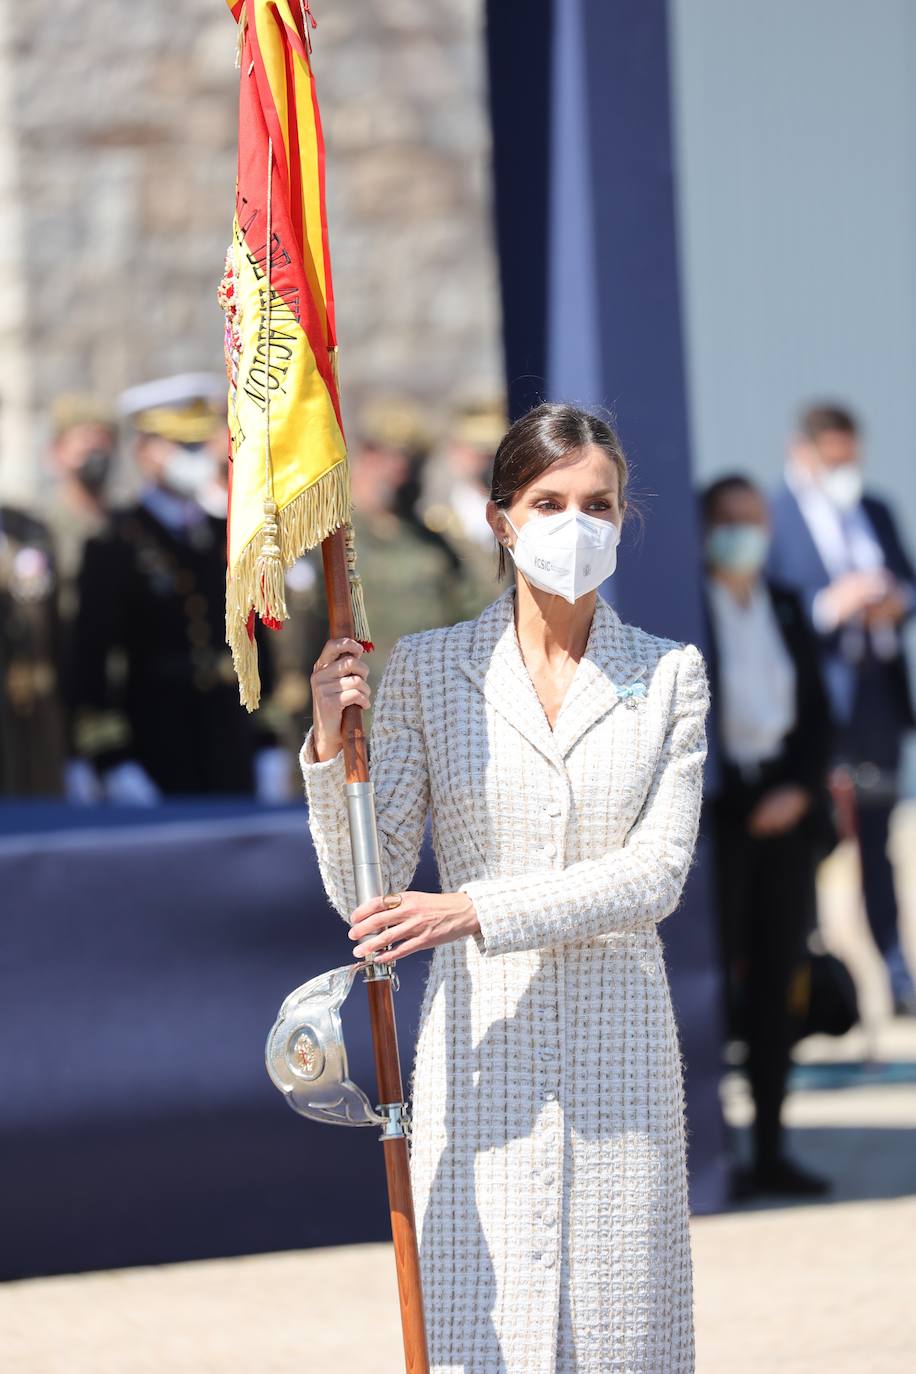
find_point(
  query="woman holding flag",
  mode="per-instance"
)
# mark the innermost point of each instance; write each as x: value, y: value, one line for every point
x: 558, y: 753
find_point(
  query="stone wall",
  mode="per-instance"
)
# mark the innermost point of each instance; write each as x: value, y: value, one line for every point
x: 117, y: 168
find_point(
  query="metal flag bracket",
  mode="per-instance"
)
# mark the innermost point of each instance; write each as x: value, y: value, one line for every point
x: 306, y: 1055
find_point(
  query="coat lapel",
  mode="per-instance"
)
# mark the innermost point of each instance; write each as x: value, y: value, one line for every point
x: 495, y: 665
x: 606, y: 666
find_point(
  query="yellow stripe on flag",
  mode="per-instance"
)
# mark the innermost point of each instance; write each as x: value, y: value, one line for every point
x: 289, y: 476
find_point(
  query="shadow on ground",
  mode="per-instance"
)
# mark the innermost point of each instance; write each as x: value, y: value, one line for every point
x: 866, y: 1163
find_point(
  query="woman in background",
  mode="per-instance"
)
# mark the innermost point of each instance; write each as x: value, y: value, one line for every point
x: 768, y: 812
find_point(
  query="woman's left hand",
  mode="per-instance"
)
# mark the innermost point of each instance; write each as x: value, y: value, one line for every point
x: 411, y: 921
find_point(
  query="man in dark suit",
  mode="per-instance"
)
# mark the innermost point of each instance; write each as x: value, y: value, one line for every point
x: 840, y: 549
x: 766, y: 803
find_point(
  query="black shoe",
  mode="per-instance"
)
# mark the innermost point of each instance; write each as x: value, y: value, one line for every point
x: 782, y: 1177
x: 741, y: 1186
x: 905, y: 1003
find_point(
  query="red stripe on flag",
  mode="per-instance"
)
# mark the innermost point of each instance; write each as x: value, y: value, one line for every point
x: 259, y: 110
x: 296, y: 42
x: 295, y: 161
x: 326, y: 251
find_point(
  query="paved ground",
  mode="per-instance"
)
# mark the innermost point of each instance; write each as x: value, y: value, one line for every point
x: 823, y: 1289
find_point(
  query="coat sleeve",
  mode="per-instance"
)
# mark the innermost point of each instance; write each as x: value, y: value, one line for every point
x: 398, y: 769
x: 637, y: 884
x: 895, y: 554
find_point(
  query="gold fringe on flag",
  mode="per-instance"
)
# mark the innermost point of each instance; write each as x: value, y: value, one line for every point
x: 240, y: 36
x: 311, y: 517
x: 357, y: 599
x: 269, y: 571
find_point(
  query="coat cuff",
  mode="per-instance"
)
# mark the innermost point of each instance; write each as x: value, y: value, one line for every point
x: 325, y: 782
x: 496, y: 924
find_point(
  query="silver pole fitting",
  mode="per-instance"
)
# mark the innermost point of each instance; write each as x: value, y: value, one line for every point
x: 378, y: 973
x: 367, y: 860
x: 397, y: 1124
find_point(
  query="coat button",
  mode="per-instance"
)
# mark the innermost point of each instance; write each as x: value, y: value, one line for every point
x: 549, y: 850
x: 549, y: 1095
x: 548, y: 1260
x: 554, y: 808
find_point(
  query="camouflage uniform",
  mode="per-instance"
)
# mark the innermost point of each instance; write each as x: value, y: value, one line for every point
x: 453, y: 499
x: 410, y: 580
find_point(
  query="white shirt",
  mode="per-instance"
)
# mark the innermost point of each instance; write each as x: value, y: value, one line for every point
x: 756, y: 676
x: 846, y: 543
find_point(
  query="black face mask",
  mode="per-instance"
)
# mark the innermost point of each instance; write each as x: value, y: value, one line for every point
x: 94, y: 469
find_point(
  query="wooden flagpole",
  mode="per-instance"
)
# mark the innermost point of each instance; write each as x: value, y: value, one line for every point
x: 381, y: 1004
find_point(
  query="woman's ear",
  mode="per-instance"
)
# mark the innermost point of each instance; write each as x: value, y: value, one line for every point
x: 497, y: 522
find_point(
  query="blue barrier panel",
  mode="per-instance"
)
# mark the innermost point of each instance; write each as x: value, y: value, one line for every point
x: 142, y: 967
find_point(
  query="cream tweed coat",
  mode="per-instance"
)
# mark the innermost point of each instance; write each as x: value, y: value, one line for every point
x: 548, y: 1138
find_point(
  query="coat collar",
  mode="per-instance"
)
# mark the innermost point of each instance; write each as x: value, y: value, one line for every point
x: 494, y: 664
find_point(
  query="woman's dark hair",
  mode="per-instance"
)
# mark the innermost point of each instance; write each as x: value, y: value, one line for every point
x: 711, y: 496
x: 538, y: 439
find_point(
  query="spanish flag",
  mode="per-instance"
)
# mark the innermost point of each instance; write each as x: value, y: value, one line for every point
x: 289, y: 477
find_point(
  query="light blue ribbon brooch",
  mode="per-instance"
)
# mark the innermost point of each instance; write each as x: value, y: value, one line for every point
x: 631, y: 694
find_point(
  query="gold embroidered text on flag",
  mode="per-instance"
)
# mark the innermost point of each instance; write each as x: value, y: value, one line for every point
x: 289, y: 477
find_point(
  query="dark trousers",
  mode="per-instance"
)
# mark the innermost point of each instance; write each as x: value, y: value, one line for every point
x: 878, y: 890
x: 767, y: 908
x: 871, y: 744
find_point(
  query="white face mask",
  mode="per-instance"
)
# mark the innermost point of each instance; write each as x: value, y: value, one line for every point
x: 842, y: 485
x: 567, y: 554
x: 187, y: 470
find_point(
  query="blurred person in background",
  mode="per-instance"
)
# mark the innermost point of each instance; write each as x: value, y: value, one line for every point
x: 412, y: 577
x: 82, y: 455
x: 767, y: 807
x: 455, y: 491
x: 39, y: 565
x: 400, y: 427
x: 840, y: 549
x: 33, y: 735
x: 154, y: 694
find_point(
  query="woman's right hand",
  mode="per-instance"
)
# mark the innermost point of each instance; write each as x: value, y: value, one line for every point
x: 339, y: 679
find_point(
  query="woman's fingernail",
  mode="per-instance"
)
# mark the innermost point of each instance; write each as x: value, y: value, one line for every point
x: 358, y: 950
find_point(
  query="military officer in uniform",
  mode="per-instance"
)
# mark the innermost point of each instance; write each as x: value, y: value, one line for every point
x: 155, y: 699
x: 32, y: 723
x: 39, y: 563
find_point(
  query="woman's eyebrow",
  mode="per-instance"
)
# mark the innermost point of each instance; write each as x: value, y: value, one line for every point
x: 545, y: 491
